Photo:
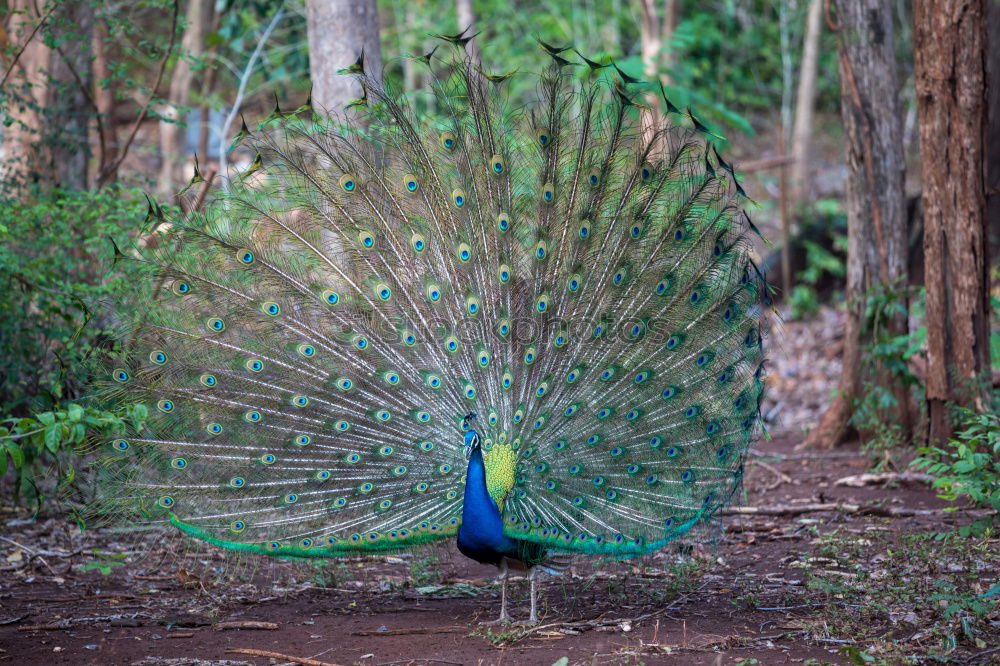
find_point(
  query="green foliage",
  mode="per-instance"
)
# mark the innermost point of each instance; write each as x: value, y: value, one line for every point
x: 47, y: 443
x: 823, y: 229
x: 104, y: 562
x: 888, y: 353
x: 968, y: 468
x: 56, y: 253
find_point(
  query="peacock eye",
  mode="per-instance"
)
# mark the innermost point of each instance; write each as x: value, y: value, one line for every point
x: 348, y: 183
x: 410, y: 183
x: 448, y: 140
x: 497, y: 165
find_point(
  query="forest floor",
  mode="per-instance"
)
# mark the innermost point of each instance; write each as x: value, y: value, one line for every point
x: 811, y: 569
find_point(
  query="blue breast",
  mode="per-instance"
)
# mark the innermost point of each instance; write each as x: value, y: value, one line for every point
x: 481, y: 536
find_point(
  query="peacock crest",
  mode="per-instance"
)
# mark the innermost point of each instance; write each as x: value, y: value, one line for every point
x: 324, y: 326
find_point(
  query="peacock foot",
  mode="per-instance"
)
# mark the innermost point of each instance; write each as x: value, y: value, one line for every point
x: 530, y: 622
x: 504, y: 620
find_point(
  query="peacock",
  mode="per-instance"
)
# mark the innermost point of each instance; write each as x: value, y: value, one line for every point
x: 534, y: 328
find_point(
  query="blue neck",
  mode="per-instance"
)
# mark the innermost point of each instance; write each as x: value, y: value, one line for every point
x: 482, y: 526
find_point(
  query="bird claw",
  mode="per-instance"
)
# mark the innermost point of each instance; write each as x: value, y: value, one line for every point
x: 527, y: 623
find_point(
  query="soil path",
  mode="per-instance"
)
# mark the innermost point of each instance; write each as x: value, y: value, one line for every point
x: 764, y: 591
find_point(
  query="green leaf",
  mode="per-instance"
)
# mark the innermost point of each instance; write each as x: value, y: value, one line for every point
x: 46, y: 418
x: 16, y: 454
x: 74, y: 412
x: 52, y: 438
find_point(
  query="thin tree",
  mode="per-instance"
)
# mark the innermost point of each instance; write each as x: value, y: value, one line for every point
x: 949, y: 51
x: 173, y: 138
x: 875, y: 207
x: 339, y: 32
x: 805, y: 102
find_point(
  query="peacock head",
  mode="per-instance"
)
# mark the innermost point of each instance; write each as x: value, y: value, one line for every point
x: 471, y: 436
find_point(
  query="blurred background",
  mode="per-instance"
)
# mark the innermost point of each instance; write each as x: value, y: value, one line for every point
x: 108, y: 105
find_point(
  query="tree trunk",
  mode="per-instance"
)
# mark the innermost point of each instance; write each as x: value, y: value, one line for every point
x: 338, y: 32
x: 47, y: 140
x: 875, y: 206
x: 948, y: 39
x: 173, y: 138
x: 467, y: 20
x: 805, y: 102
x: 993, y: 121
x: 654, y: 37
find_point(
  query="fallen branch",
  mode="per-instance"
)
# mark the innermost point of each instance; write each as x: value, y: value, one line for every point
x: 862, y: 480
x: 245, y: 624
x: 278, y: 655
x: 181, y: 634
x: 798, y: 509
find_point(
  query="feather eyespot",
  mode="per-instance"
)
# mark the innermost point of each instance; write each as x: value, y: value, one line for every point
x: 120, y: 375
x: 497, y: 165
x: 348, y: 183
x: 245, y: 256
x: 410, y: 183
x: 382, y: 291
x: 541, y: 250
x: 213, y: 428
x: 543, y: 137
x: 458, y: 197
x: 157, y: 357
x: 503, y: 221
x: 418, y: 243
x: 594, y: 178
x: 165, y: 406
x: 448, y: 140
x: 331, y: 297
x: 306, y: 350
x: 548, y: 193
x: 270, y: 308
x: 208, y: 380
x: 646, y: 172
x: 367, y: 239
x: 504, y: 273
x: 181, y: 288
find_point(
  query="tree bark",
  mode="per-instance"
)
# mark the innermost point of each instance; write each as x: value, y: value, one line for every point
x: 805, y: 103
x: 993, y: 121
x: 467, y: 20
x: 875, y: 205
x: 654, y: 36
x: 173, y: 139
x: 338, y: 31
x: 949, y: 54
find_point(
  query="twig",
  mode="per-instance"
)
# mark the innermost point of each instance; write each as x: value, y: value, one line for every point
x: 245, y: 624
x: 418, y: 660
x: 278, y: 655
x: 181, y: 634
x: 782, y: 477
x: 241, y: 91
x: 20, y: 51
x: 795, y: 510
x: 113, y: 167
x: 411, y: 630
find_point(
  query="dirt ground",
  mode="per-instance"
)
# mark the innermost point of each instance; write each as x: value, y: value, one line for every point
x: 806, y: 571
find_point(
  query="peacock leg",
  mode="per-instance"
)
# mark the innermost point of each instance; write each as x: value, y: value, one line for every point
x: 533, y: 579
x: 504, y: 617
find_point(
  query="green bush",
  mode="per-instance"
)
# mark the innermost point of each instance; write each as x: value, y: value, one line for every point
x: 45, y: 447
x: 968, y: 467
x: 56, y: 257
